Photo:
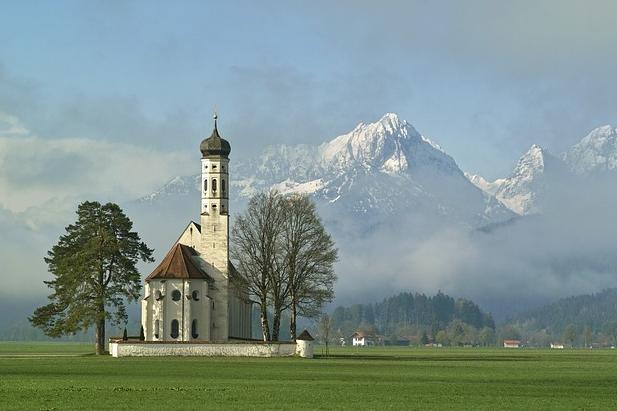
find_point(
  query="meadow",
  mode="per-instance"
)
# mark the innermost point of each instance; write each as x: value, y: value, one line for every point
x: 41, y: 376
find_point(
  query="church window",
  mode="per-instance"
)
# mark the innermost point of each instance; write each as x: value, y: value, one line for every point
x: 214, y: 185
x: 223, y: 186
x: 213, y: 166
x: 158, y: 295
x: 194, y: 333
x: 157, y: 328
x: 205, y: 185
x: 175, y: 329
x: 195, y: 295
x: 176, y: 295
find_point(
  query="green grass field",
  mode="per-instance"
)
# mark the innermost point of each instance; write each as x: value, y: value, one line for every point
x: 66, y: 376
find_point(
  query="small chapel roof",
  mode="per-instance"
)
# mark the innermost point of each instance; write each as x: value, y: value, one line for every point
x: 305, y: 336
x: 178, y: 263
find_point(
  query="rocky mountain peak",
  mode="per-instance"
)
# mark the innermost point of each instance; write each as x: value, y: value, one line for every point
x: 596, y: 152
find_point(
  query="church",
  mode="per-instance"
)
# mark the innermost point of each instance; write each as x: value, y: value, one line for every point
x: 195, y: 294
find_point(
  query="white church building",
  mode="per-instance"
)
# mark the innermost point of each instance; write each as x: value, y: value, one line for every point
x: 194, y: 295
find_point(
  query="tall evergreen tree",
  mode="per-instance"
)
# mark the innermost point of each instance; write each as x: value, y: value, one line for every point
x: 94, y: 270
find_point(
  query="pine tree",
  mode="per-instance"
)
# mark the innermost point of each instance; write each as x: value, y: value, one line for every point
x: 94, y: 270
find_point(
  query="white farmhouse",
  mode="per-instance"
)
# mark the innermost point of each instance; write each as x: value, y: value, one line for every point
x: 511, y: 343
x: 194, y: 293
x: 362, y: 339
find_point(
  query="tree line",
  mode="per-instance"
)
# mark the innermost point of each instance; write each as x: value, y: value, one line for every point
x: 580, y: 320
x: 285, y: 258
x: 439, y: 318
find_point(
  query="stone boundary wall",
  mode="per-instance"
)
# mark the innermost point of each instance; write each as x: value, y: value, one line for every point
x: 140, y: 349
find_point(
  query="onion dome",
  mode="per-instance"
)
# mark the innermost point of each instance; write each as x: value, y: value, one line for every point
x: 215, y: 145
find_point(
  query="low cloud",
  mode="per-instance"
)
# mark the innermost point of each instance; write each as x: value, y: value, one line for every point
x: 40, y: 173
x: 567, y: 250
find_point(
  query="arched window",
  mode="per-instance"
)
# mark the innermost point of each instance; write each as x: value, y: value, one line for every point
x: 205, y: 185
x: 214, y: 185
x: 175, y: 329
x: 158, y: 295
x: 195, y: 295
x: 176, y: 295
x: 223, y: 186
x: 194, y: 333
x: 157, y: 328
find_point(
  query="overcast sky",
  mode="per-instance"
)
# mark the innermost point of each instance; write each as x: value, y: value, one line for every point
x: 485, y: 79
x: 95, y: 92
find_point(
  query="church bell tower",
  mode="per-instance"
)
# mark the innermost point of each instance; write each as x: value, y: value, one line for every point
x: 215, y: 199
x: 215, y: 223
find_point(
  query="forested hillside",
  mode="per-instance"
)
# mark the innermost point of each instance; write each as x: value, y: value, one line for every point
x: 419, y: 318
x: 580, y: 320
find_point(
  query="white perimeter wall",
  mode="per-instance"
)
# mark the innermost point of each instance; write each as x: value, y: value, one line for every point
x: 121, y: 349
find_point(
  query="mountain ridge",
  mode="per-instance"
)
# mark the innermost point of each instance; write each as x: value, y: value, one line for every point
x: 378, y: 168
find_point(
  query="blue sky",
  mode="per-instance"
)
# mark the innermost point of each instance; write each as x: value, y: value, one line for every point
x: 484, y: 79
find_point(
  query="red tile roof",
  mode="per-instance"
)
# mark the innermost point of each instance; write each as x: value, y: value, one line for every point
x: 178, y: 264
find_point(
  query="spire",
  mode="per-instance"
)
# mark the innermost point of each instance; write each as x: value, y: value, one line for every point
x: 215, y: 145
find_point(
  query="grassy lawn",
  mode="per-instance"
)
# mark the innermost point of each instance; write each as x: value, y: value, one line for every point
x: 368, y: 378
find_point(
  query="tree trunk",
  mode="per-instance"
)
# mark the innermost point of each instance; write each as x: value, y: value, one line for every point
x: 276, y: 323
x: 292, y: 320
x: 100, y: 330
x: 265, y: 327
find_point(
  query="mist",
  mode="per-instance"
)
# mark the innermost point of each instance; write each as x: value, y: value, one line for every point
x: 568, y: 249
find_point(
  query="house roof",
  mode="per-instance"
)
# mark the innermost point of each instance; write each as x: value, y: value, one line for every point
x: 178, y: 264
x: 305, y: 336
x: 362, y: 334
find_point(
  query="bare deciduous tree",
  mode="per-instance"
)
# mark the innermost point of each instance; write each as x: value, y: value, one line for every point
x: 325, y: 327
x: 309, y: 255
x: 285, y: 258
x: 255, y: 236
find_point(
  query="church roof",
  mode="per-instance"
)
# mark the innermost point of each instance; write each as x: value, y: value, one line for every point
x: 178, y: 263
x: 215, y: 145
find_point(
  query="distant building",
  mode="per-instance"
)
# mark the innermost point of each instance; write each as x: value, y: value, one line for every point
x: 362, y: 339
x: 511, y: 344
x: 557, y: 346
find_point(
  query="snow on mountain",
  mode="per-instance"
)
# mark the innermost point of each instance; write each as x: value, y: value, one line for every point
x: 483, y: 184
x: 179, y: 185
x: 377, y: 170
x: 522, y: 190
x: 596, y: 152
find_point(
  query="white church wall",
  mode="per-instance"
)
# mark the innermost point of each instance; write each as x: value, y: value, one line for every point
x: 199, y: 303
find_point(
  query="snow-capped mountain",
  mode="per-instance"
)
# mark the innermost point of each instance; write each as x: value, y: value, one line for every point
x: 523, y: 191
x: 539, y: 176
x: 377, y: 171
x: 596, y: 152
